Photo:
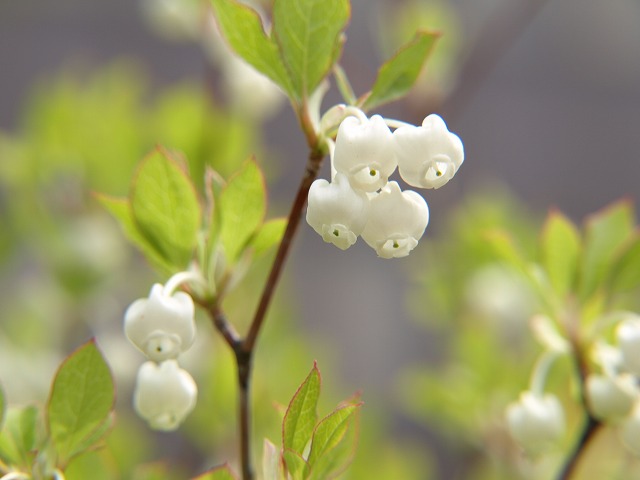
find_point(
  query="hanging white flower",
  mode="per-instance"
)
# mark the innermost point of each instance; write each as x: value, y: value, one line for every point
x: 397, y: 220
x: 336, y: 211
x: 628, y: 333
x: 364, y: 152
x: 162, y: 325
x: 610, y: 398
x: 165, y: 394
x: 428, y: 156
x: 536, y: 422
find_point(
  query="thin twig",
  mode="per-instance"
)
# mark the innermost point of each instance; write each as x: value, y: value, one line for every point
x: 591, y: 426
x: 311, y: 172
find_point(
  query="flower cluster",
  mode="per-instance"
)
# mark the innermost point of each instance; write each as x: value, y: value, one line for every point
x: 613, y: 396
x: 162, y: 326
x: 612, y: 393
x: 361, y: 201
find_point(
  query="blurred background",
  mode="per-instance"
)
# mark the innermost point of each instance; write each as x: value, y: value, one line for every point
x: 544, y: 94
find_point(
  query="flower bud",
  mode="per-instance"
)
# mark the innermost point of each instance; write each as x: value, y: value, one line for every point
x: 628, y: 334
x: 336, y: 211
x: 397, y: 220
x: 428, y: 156
x: 536, y: 422
x: 611, y: 398
x: 365, y: 153
x: 161, y: 326
x: 165, y: 394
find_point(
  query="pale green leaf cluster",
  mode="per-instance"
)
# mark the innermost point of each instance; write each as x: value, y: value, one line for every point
x: 304, y: 43
x: 77, y: 418
x: 175, y: 229
x: 312, y: 448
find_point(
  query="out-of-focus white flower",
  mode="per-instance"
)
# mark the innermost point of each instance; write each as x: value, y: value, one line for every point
x: 364, y: 152
x: 397, y: 220
x: 161, y: 326
x: 536, y: 422
x: 628, y: 333
x: 173, y: 19
x: 164, y: 395
x: 428, y: 156
x: 630, y: 430
x: 610, y: 398
x: 336, y: 211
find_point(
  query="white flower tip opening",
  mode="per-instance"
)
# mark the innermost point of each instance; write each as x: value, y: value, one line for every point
x: 428, y: 156
x: 165, y: 394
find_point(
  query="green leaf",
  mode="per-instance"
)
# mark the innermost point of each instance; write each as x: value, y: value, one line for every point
x: 398, y: 74
x: 296, y: 464
x: 18, y: 436
x: 625, y: 272
x: 165, y: 207
x: 504, y: 248
x: 606, y: 232
x: 242, y: 207
x: 269, y: 235
x: 242, y: 28
x: 560, y: 252
x: 120, y: 208
x: 80, y: 402
x: 309, y: 35
x: 301, y: 416
x: 223, y: 472
x: 329, y: 432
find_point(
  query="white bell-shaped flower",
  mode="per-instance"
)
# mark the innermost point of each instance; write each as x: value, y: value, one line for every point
x: 165, y: 394
x: 397, y: 220
x: 336, y: 211
x: 536, y: 422
x: 161, y: 326
x: 428, y: 156
x: 365, y: 152
x: 628, y: 333
x: 610, y: 398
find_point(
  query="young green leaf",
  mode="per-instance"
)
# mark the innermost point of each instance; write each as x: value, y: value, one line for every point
x: 297, y: 466
x: 270, y: 234
x: 625, y: 272
x: 18, y: 436
x: 242, y: 207
x: 329, y: 432
x: 560, y: 247
x: 223, y: 472
x: 309, y: 35
x: 398, y: 74
x: 301, y: 416
x: 80, y: 402
x: 606, y: 233
x: 242, y: 28
x: 165, y: 207
x: 120, y: 208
